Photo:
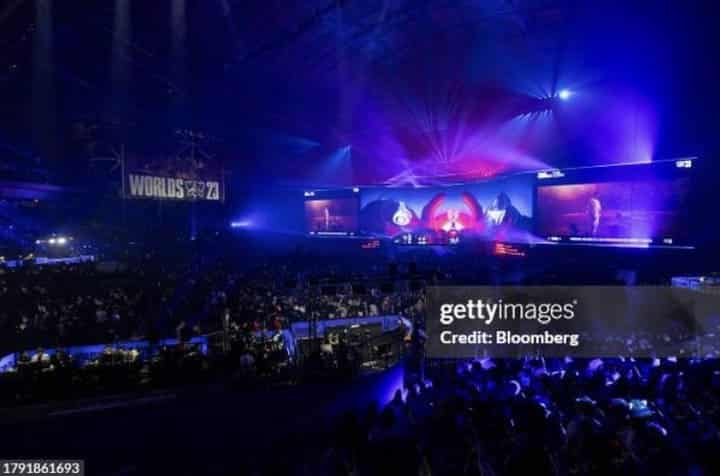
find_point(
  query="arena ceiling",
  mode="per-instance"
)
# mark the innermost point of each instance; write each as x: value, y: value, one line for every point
x: 341, y: 92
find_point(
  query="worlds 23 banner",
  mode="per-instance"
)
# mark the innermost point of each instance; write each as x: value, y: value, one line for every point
x: 158, y: 187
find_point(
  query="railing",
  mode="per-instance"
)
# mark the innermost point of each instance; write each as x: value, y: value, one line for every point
x: 85, y: 353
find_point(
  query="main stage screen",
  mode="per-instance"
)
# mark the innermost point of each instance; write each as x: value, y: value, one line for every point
x: 500, y: 209
x: 332, y: 216
x: 633, y: 212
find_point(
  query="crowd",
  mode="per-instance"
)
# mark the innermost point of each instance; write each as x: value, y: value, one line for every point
x: 59, y: 306
x: 482, y: 417
x: 532, y: 416
x: 66, y: 305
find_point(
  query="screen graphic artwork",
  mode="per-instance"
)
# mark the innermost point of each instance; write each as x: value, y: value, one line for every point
x: 448, y: 215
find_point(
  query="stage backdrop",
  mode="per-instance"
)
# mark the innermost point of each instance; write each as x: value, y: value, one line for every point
x: 499, y: 209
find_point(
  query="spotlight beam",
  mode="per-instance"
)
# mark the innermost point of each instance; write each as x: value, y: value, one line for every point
x: 565, y: 94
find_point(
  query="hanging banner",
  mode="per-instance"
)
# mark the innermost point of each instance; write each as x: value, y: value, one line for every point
x: 172, y: 188
x: 175, y: 180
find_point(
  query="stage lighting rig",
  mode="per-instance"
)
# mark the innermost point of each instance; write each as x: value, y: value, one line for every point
x: 55, y: 240
x: 191, y: 149
x: 550, y: 174
x: 189, y: 134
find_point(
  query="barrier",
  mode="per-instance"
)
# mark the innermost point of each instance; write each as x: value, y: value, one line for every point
x: 301, y: 330
x: 298, y: 330
x: 85, y: 353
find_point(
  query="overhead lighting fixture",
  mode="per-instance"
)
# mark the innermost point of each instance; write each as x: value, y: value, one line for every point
x: 549, y: 174
x: 55, y: 240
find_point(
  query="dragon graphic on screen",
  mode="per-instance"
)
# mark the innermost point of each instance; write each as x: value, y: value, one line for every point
x: 442, y: 216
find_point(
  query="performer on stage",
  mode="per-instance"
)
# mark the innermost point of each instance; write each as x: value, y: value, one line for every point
x: 594, y: 210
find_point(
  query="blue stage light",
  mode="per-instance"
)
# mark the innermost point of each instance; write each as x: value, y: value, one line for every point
x: 565, y: 94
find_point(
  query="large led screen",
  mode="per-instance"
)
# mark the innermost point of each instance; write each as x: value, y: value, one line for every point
x: 499, y: 209
x: 332, y: 216
x: 642, y: 212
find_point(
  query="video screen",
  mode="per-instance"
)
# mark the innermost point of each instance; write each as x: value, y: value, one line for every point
x: 447, y: 215
x: 641, y: 212
x: 332, y: 216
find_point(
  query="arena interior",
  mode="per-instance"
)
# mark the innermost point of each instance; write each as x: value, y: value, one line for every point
x: 359, y: 238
